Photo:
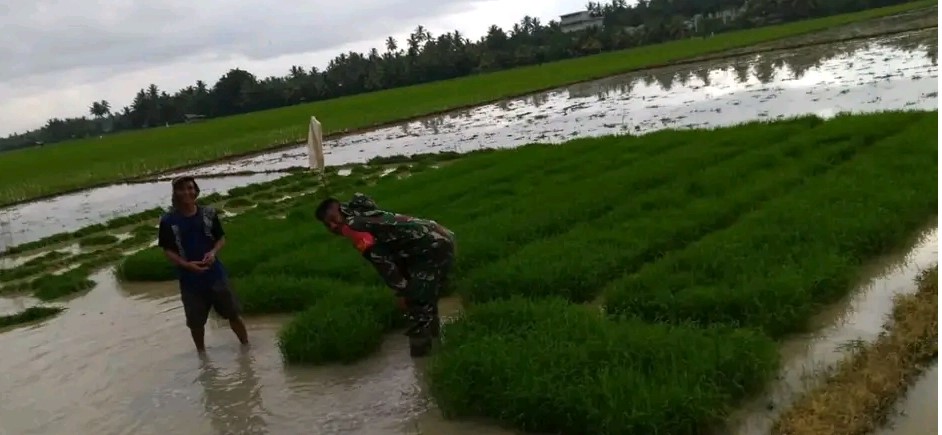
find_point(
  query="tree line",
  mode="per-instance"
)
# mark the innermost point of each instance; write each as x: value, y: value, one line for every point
x: 424, y: 57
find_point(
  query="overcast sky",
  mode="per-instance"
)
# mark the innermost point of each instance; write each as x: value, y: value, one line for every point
x: 58, y: 56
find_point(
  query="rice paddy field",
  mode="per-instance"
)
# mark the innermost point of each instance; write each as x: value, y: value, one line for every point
x: 659, y: 263
x: 39, y: 172
x: 623, y: 284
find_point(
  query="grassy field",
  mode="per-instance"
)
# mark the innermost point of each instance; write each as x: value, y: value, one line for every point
x: 702, y: 247
x: 32, y: 173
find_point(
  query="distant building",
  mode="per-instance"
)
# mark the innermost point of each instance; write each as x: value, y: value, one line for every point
x: 577, y: 21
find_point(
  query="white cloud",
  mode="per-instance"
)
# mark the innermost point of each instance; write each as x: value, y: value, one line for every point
x: 66, y: 54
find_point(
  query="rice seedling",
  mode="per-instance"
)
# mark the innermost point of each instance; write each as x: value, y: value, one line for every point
x: 29, y: 315
x: 777, y: 264
x: 344, y: 326
x: 98, y: 240
x: 239, y: 203
x: 689, y: 233
x: 54, y: 286
x: 579, y: 262
x: 552, y: 367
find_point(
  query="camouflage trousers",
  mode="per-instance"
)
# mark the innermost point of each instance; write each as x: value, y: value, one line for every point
x: 427, y: 277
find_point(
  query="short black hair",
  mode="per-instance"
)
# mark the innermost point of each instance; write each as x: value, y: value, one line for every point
x: 321, y: 211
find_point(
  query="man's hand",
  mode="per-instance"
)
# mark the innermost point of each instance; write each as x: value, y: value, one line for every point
x: 195, y: 266
x: 209, y: 258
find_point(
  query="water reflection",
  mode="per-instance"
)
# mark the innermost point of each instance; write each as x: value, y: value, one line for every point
x: 883, y: 73
x: 233, y: 400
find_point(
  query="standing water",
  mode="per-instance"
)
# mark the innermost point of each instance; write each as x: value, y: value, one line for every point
x: 882, y: 73
x: 918, y: 412
x: 120, y: 361
x: 860, y: 318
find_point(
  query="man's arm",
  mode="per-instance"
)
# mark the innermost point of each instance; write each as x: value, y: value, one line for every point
x: 167, y: 242
x: 387, y: 223
x: 219, y: 235
x: 388, y: 270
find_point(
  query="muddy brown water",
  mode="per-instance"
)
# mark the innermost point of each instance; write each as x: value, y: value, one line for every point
x: 859, y: 318
x: 120, y: 361
x: 880, y: 73
x: 918, y: 412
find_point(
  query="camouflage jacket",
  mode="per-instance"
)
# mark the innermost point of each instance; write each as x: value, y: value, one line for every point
x: 399, y: 238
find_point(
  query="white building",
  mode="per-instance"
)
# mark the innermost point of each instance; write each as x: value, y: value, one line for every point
x: 577, y: 21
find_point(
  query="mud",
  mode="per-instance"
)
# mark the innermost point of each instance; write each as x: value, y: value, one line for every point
x: 918, y: 412
x: 881, y: 73
x: 857, y: 319
x: 120, y: 361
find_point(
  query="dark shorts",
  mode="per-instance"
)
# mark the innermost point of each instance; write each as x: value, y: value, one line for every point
x: 198, y: 302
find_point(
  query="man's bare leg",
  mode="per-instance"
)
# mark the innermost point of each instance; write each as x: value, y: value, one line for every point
x: 238, y: 326
x: 197, y: 334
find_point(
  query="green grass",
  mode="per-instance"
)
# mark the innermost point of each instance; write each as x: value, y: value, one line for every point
x: 704, y: 247
x: 29, y: 315
x: 98, y: 240
x: 34, y: 172
x: 51, y: 287
x: 549, y: 367
x: 814, y: 239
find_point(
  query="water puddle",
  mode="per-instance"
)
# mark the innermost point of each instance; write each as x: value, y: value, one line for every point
x: 860, y: 317
x: 894, y: 72
x: 120, y: 361
x: 918, y: 412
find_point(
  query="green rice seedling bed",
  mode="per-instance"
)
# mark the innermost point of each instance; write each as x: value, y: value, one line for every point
x: 557, y: 210
x: 239, y: 202
x: 29, y: 315
x: 547, y: 366
x: 639, y: 199
x: 331, y: 257
x: 346, y: 324
x: 778, y: 264
x: 51, y: 287
x: 97, y: 240
x: 293, y: 293
x: 32, y: 266
x: 576, y: 264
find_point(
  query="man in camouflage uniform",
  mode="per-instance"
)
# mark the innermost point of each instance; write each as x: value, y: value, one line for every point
x: 413, y: 256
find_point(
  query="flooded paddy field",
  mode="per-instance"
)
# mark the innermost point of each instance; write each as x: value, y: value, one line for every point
x: 816, y: 204
x: 119, y: 358
x: 881, y: 73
